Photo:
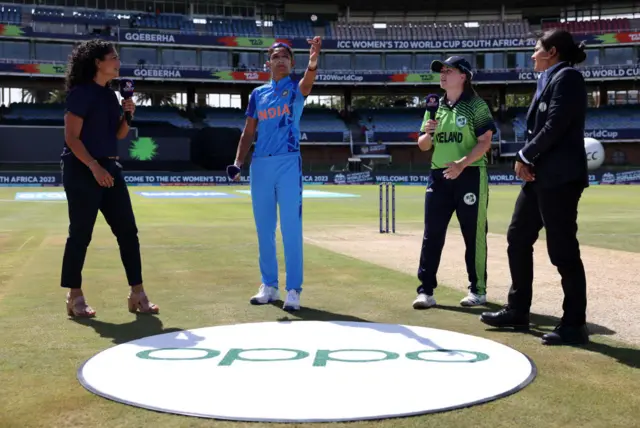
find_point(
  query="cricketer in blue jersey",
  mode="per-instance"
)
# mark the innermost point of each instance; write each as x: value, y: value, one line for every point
x: 274, y: 111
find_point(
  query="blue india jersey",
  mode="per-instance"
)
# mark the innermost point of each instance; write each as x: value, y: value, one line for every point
x: 278, y: 108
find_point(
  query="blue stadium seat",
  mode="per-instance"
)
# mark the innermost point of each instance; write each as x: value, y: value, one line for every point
x: 615, y: 117
x: 232, y: 27
x: 298, y: 29
x: 71, y: 16
x: 32, y: 111
x: 163, y: 22
x: 11, y: 15
x: 357, y: 29
x: 398, y: 119
x: 161, y: 114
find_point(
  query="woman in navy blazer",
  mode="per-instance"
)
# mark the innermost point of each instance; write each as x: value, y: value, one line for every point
x: 553, y: 166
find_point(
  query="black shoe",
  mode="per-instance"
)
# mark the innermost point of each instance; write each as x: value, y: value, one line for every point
x: 565, y: 335
x: 506, y: 318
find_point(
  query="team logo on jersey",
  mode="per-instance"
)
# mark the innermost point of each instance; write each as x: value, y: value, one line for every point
x: 461, y: 121
x: 470, y: 199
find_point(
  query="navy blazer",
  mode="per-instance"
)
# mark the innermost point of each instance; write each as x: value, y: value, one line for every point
x: 555, y: 130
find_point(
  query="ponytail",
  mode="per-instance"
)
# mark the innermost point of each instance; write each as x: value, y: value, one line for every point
x: 468, y: 87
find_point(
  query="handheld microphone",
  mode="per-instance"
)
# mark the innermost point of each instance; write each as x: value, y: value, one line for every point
x: 126, y: 90
x: 433, y: 102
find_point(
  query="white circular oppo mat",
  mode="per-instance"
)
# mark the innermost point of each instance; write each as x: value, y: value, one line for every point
x: 307, y: 371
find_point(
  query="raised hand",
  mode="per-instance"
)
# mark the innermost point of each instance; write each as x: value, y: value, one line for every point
x: 314, y: 51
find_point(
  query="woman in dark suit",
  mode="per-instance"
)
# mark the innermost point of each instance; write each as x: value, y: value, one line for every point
x: 553, y: 165
x: 92, y: 176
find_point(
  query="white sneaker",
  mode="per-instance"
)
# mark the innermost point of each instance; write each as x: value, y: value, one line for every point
x: 265, y: 295
x: 423, y: 301
x: 474, y: 300
x: 292, y: 303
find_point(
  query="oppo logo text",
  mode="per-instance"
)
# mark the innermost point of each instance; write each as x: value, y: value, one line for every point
x: 318, y: 358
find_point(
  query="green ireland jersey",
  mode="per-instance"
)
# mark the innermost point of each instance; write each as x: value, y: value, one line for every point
x: 458, y: 130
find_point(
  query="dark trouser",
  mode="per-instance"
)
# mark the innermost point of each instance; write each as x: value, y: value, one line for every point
x: 468, y: 197
x: 557, y: 210
x: 85, y: 197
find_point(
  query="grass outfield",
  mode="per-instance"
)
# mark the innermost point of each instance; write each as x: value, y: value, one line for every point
x: 200, y: 267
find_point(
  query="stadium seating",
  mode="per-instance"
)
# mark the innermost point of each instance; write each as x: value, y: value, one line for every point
x: 71, y: 16
x: 391, y: 119
x: 355, y: 29
x: 35, y: 112
x: 224, y: 117
x: 55, y: 112
x: 520, y: 126
x: 165, y: 22
x: 313, y: 119
x: 352, y: 30
x: 612, y: 118
x: 10, y: 14
x: 600, y: 118
x: 162, y: 114
x: 290, y: 29
x: 236, y: 27
x: 595, y: 26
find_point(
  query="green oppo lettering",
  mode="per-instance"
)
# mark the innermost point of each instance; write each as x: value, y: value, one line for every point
x: 235, y: 355
x: 208, y: 353
x: 479, y: 356
x: 324, y: 355
x: 321, y: 357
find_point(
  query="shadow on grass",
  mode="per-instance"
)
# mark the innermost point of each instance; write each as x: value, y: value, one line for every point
x: 312, y: 314
x: 542, y: 324
x: 144, y: 325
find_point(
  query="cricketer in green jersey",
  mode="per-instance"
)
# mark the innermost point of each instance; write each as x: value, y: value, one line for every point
x: 460, y: 137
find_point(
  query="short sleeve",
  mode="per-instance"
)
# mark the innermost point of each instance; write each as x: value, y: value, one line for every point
x: 78, y: 101
x: 482, y: 118
x: 252, y: 110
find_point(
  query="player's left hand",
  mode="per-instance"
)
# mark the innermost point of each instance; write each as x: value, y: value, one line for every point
x: 454, y: 170
x: 314, y: 51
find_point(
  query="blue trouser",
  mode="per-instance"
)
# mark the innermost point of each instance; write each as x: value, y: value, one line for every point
x: 277, y: 181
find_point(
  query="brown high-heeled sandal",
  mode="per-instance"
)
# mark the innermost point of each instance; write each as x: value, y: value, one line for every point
x: 78, y: 307
x: 138, y: 302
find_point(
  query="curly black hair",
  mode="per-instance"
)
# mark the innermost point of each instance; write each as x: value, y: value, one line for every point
x: 81, y: 67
